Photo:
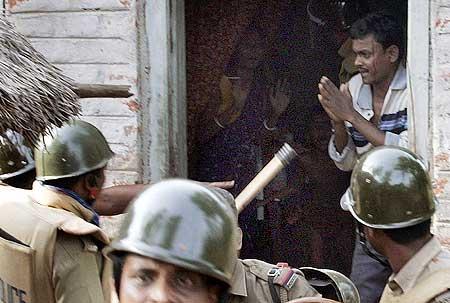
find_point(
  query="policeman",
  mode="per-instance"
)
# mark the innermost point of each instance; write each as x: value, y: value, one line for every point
x: 255, y: 281
x: 332, y: 284
x: 177, y: 244
x: 392, y: 199
x: 56, y: 222
x: 16, y: 160
x: 17, y: 169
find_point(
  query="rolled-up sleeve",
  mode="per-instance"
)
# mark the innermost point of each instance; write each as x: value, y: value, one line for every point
x: 345, y: 161
x: 397, y: 140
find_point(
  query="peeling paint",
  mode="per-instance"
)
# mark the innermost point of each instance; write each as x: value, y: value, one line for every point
x: 125, y: 3
x: 116, y: 77
x: 123, y: 77
x: 442, y: 23
x: 128, y: 130
x: 444, y: 241
x: 439, y: 185
x: 133, y: 106
x: 442, y: 159
x: 13, y: 3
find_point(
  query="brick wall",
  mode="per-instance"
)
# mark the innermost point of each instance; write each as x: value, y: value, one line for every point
x: 92, y: 42
x: 440, y: 111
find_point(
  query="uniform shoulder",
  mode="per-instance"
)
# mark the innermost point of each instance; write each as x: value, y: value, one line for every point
x: 19, y: 204
x: 10, y: 193
x: 258, y: 268
x: 72, y: 247
x: 291, y: 279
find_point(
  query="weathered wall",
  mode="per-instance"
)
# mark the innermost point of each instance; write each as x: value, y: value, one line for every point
x: 92, y: 42
x: 440, y: 110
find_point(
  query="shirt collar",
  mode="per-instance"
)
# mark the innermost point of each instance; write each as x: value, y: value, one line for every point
x: 95, y: 218
x: 398, y: 83
x: 400, y: 79
x: 55, y: 197
x: 238, y: 283
x: 405, y: 279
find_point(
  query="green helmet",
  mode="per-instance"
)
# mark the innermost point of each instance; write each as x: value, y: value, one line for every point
x: 76, y: 148
x: 16, y: 156
x: 182, y: 223
x: 332, y: 283
x: 390, y: 188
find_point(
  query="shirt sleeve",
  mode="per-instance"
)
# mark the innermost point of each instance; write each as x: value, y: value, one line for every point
x: 76, y: 271
x: 397, y: 140
x: 345, y: 161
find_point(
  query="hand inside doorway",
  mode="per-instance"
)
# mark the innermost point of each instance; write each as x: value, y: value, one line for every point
x: 279, y: 97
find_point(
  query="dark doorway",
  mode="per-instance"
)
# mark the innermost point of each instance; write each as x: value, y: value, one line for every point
x: 244, y: 57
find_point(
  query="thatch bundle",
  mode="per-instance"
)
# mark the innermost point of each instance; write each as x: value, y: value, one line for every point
x: 33, y: 93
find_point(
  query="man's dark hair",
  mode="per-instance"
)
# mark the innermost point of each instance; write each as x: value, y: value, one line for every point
x: 69, y: 183
x: 410, y: 234
x: 385, y: 29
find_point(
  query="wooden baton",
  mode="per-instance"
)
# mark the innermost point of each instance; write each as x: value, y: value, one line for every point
x: 267, y: 174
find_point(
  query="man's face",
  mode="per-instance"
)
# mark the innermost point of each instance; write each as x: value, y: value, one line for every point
x: 147, y: 280
x: 374, y: 63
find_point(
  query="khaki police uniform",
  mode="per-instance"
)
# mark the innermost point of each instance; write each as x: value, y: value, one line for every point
x: 64, y: 250
x: 252, y: 281
x: 425, y: 278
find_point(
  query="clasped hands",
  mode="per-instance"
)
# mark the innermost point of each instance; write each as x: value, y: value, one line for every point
x: 337, y: 102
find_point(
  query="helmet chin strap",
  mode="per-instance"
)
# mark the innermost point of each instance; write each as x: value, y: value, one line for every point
x: 365, y: 247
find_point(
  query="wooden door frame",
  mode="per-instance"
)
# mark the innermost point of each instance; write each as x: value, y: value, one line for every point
x: 163, y: 90
x: 419, y: 75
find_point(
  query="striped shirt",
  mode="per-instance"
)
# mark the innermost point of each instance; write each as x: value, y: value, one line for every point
x: 393, y: 121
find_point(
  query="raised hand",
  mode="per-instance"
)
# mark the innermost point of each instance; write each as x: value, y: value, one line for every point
x: 279, y: 97
x: 336, y: 102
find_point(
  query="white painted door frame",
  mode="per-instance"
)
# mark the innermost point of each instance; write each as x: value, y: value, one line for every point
x: 419, y: 78
x: 163, y: 142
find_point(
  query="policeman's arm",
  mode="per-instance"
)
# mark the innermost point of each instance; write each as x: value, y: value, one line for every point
x: 114, y: 200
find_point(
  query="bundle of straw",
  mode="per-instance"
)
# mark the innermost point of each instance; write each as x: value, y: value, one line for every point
x: 33, y: 93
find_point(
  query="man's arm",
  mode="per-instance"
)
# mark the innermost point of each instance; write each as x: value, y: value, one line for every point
x: 344, y: 160
x: 114, y: 200
x: 341, y: 148
x: 340, y: 136
x: 375, y: 136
